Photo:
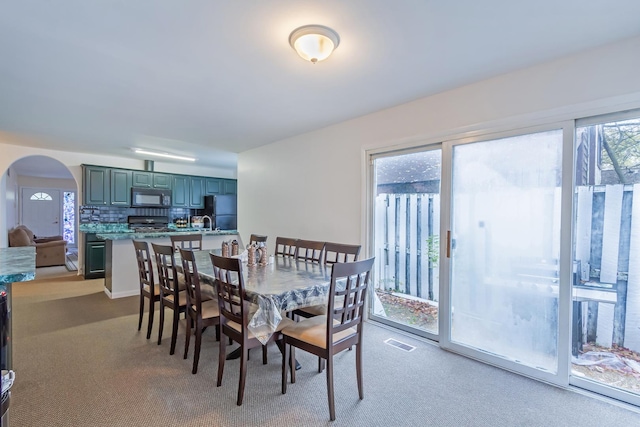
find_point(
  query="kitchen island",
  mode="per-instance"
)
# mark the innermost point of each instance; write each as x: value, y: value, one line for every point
x: 121, y: 269
x: 17, y: 264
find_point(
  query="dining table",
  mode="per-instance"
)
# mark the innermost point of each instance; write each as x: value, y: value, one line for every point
x: 282, y: 285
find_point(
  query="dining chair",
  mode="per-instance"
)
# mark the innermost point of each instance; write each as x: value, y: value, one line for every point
x: 309, y: 250
x: 186, y: 241
x: 328, y: 335
x: 285, y: 246
x: 171, y: 296
x: 338, y: 252
x: 333, y: 252
x: 234, y: 317
x: 257, y: 238
x: 200, y: 314
x: 148, y: 288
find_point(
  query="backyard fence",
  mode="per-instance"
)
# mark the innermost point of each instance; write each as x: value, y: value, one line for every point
x: 606, y: 258
x: 607, y: 265
x: 408, y: 244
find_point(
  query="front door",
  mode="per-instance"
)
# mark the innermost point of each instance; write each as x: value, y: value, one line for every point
x: 41, y: 211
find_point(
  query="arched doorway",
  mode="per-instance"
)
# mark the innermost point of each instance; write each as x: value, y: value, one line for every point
x: 42, y: 194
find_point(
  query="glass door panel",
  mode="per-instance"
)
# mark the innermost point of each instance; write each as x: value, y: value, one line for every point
x: 605, y: 341
x: 505, y: 244
x: 406, y: 240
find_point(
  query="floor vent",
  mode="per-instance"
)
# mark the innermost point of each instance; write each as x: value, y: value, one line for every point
x: 399, y: 344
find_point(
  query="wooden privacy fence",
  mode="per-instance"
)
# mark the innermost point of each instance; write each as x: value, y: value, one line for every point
x: 407, y: 227
x: 607, y: 266
x: 606, y: 258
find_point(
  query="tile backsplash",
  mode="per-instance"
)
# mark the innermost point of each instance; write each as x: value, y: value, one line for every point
x: 114, y: 214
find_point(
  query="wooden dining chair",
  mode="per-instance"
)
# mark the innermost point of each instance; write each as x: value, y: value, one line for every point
x: 309, y: 250
x: 234, y: 317
x: 171, y: 296
x: 328, y: 335
x: 285, y: 246
x: 148, y: 288
x: 338, y: 252
x: 200, y: 314
x: 333, y: 252
x: 186, y: 241
x: 257, y: 238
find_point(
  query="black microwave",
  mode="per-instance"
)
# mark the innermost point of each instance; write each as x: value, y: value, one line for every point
x: 150, y: 198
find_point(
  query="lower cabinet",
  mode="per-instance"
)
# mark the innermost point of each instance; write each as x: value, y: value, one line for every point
x: 94, y: 257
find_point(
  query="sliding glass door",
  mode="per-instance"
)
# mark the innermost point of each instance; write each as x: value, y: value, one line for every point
x: 521, y: 250
x: 605, y: 340
x: 468, y: 237
x: 406, y: 239
x: 504, y: 250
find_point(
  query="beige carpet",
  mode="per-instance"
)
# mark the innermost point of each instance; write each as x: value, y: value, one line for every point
x: 80, y: 361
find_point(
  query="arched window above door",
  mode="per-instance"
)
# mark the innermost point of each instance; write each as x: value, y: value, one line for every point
x: 40, y: 196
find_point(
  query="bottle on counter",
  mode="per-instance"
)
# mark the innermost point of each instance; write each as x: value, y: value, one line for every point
x: 234, y: 248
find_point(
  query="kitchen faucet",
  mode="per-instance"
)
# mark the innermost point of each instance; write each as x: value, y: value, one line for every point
x: 210, y: 221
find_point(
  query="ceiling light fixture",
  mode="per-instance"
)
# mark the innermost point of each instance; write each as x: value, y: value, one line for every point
x: 314, y: 42
x: 167, y: 155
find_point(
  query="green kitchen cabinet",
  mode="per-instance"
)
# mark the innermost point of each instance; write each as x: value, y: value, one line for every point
x: 120, y: 187
x: 213, y: 186
x: 196, y: 198
x: 94, y: 257
x: 181, y: 191
x: 146, y: 179
x: 162, y: 181
x: 96, y: 185
x: 142, y: 179
x: 230, y: 186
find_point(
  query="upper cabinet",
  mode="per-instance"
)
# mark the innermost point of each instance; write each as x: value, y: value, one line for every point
x: 146, y: 179
x: 196, y: 199
x: 96, y: 186
x: 142, y: 179
x: 213, y: 186
x: 120, y: 187
x: 162, y: 180
x: 112, y: 186
x: 188, y: 191
x: 181, y: 191
x: 230, y: 186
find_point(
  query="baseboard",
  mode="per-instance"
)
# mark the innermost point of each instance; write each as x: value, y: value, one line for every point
x: 115, y: 295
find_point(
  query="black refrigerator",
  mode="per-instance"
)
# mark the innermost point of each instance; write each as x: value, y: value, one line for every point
x: 223, y: 210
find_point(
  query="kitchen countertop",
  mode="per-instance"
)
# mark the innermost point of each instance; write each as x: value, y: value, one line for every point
x: 17, y: 264
x: 155, y: 235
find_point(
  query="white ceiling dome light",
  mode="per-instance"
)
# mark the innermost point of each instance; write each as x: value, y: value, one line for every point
x: 314, y: 42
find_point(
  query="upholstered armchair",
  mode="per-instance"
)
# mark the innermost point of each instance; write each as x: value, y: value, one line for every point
x: 49, y: 250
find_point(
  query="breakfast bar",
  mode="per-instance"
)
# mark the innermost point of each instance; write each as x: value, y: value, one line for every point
x: 16, y: 265
x: 121, y: 270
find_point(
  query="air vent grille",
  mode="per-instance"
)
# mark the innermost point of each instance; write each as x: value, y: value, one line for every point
x: 399, y: 344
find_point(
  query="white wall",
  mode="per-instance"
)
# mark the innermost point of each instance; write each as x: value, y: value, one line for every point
x: 37, y: 182
x: 312, y: 186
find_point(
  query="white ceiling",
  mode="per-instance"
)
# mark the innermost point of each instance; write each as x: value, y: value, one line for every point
x: 212, y: 78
